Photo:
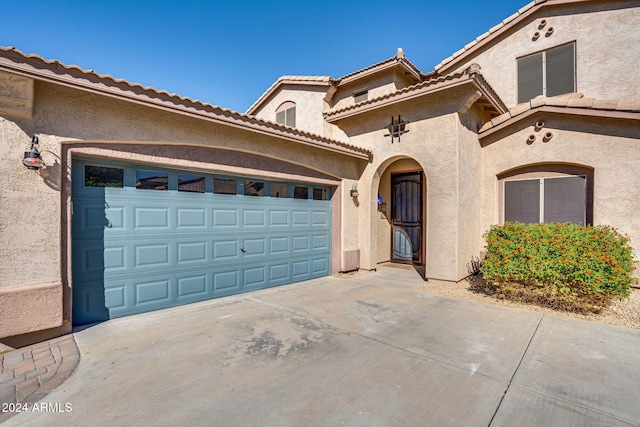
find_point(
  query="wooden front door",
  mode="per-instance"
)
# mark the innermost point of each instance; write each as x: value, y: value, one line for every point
x: 406, y: 217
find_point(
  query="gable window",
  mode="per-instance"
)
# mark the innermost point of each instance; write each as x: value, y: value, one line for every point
x: 553, y: 199
x: 549, y: 73
x: 286, y: 114
x: 363, y: 95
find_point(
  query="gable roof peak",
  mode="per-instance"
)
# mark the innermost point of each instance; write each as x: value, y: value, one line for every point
x: 399, y: 54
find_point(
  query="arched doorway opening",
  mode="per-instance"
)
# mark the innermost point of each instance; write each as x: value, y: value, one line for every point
x: 400, y: 219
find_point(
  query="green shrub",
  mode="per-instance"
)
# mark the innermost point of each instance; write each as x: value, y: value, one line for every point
x: 564, y: 266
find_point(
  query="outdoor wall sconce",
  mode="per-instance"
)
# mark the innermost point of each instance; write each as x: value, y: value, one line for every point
x: 32, y: 159
x: 354, y: 190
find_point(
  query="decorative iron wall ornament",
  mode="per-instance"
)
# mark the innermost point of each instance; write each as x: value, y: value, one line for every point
x: 396, y: 128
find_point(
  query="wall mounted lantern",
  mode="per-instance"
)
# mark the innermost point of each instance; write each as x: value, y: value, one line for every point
x: 354, y: 190
x: 32, y: 159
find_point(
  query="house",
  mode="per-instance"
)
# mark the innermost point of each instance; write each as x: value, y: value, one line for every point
x: 148, y: 200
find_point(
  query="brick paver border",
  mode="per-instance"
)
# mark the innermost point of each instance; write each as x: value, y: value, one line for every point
x: 28, y: 374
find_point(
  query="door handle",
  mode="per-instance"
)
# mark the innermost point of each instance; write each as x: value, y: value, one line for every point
x: 243, y: 251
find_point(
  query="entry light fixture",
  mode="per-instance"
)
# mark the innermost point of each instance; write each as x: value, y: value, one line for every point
x: 32, y: 159
x: 354, y: 190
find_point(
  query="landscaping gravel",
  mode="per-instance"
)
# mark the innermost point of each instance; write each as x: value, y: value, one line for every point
x: 621, y: 313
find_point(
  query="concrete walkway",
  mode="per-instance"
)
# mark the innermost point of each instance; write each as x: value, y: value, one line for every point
x: 366, y: 351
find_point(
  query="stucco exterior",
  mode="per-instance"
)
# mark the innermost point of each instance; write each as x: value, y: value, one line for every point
x: 605, y: 43
x: 462, y: 130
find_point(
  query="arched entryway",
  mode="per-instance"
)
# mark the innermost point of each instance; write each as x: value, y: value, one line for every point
x: 399, y: 221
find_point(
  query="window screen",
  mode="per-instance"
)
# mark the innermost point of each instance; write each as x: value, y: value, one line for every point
x: 529, y: 77
x: 286, y: 114
x: 522, y: 201
x: 560, y: 69
x: 548, y: 73
x: 565, y: 199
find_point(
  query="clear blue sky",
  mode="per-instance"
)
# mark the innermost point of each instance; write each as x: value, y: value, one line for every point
x: 228, y: 53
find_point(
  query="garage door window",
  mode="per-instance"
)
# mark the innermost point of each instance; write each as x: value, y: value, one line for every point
x: 152, y: 180
x: 98, y: 176
x: 253, y: 188
x: 319, y: 194
x: 191, y: 183
x: 558, y: 199
x: 224, y: 186
x: 278, y: 189
x: 300, y: 192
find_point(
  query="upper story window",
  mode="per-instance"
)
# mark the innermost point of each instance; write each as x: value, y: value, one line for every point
x: 549, y: 73
x: 286, y: 114
x: 363, y: 95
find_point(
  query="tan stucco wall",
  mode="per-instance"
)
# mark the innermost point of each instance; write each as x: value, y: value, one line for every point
x: 605, y: 42
x: 586, y: 141
x: 438, y: 144
x: 34, y: 213
x: 309, y: 105
x: 378, y: 85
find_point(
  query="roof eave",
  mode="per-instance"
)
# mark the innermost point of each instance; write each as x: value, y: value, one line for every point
x: 466, y: 78
x: 54, y: 72
x: 449, y: 64
x: 253, y: 109
x: 575, y: 111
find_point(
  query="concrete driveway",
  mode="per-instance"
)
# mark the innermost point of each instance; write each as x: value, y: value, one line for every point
x: 365, y: 351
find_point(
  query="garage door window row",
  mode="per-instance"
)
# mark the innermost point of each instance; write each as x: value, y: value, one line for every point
x: 159, y: 180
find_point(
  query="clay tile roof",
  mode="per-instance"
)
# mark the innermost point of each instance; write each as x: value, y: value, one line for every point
x: 301, y: 80
x: 426, y: 86
x: 569, y: 103
x: 35, y: 66
x: 398, y: 58
x: 506, y: 23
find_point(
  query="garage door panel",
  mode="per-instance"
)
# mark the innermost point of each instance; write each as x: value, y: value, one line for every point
x: 156, y: 255
x: 156, y: 218
x: 227, y: 218
x: 138, y: 250
x: 192, y: 252
x: 226, y: 280
x: 193, y: 287
x: 191, y: 218
x: 225, y: 250
x: 255, y: 277
x: 155, y: 291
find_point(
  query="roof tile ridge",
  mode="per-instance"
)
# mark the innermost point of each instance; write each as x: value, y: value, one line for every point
x: 419, y: 85
x: 72, y: 67
x: 200, y: 105
x: 524, y: 9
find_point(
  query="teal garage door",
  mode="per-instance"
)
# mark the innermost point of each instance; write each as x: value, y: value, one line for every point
x: 146, y: 238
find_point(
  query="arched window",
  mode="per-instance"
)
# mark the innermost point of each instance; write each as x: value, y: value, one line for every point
x: 286, y: 114
x: 547, y: 193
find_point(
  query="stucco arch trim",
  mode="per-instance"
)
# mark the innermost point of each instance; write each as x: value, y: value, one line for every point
x: 540, y: 170
x: 376, y: 241
x: 203, y: 157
